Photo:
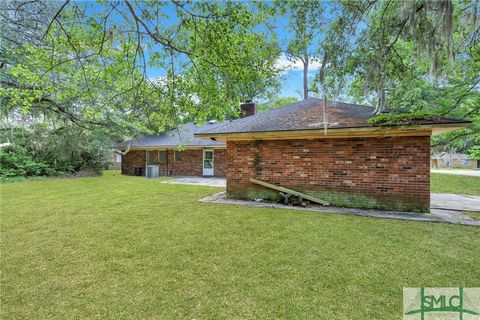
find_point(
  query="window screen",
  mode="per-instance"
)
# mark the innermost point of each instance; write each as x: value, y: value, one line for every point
x: 178, y: 156
x: 149, y: 157
x: 162, y: 156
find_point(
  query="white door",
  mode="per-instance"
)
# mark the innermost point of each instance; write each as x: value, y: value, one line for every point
x: 208, y: 162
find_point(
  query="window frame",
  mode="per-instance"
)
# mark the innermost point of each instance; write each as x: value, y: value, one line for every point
x: 160, y: 158
x: 175, y: 159
x: 153, y: 157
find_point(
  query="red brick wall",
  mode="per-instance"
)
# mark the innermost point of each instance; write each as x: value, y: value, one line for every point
x: 134, y: 158
x: 190, y: 165
x: 220, y: 162
x: 388, y: 173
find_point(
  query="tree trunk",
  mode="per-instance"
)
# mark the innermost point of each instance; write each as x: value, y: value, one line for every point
x: 381, y: 101
x: 381, y: 96
x: 305, y: 77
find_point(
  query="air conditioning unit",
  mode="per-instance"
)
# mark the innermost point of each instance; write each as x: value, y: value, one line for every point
x: 152, y: 171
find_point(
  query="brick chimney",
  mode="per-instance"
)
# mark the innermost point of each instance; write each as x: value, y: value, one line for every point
x: 247, y: 109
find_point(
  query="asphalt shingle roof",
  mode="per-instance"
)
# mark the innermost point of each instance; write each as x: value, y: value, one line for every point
x: 306, y: 115
x: 182, y: 135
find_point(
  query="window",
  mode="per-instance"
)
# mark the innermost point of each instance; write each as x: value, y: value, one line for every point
x: 149, y: 157
x: 178, y: 156
x: 162, y: 155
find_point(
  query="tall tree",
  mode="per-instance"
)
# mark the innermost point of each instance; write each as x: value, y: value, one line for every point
x: 419, y: 56
x: 378, y: 44
x: 305, y: 23
x: 76, y: 76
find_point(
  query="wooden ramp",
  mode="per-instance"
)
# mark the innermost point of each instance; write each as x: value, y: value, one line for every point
x: 289, y: 191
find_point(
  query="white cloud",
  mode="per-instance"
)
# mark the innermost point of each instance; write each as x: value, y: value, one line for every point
x: 158, y: 80
x: 285, y: 65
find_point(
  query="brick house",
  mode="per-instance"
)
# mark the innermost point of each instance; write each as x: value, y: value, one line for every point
x: 177, y: 152
x: 454, y: 160
x: 347, y: 162
x: 174, y: 152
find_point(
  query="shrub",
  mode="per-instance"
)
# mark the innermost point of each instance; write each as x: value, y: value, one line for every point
x: 15, y: 160
x: 44, y: 151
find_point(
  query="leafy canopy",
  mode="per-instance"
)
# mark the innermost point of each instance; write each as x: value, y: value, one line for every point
x: 90, y: 66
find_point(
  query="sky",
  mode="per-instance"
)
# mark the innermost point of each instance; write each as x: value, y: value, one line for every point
x: 292, y: 78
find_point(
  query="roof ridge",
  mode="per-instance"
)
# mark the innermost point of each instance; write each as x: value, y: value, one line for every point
x: 301, y: 115
x: 215, y: 125
x: 224, y: 123
x: 263, y: 114
x: 182, y: 134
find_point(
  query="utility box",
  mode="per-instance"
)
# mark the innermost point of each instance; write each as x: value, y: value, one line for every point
x: 152, y: 171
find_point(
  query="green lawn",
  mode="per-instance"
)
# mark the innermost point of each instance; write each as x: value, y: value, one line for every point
x: 472, y: 214
x: 116, y: 247
x: 457, y: 184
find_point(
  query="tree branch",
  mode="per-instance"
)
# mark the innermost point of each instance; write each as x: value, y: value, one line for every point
x: 55, y: 18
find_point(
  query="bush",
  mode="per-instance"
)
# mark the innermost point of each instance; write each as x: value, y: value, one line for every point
x: 44, y: 151
x: 15, y: 160
x: 474, y: 152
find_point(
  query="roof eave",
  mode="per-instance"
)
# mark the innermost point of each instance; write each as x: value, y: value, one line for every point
x: 160, y: 147
x: 345, y: 132
x: 447, y: 127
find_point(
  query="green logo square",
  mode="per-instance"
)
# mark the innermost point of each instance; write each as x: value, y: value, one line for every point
x: 441, y: 303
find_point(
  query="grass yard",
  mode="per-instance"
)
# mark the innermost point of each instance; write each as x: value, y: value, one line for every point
x: 457, y: 184
x: 472, y: 214
x: 117, y: 247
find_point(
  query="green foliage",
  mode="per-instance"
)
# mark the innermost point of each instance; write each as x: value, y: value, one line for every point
x: 90, y: 67
x: 305, y: 22
x: 16, y: 160
x: 474, y: 152
x: 79, y: 73
x: 400, y: 119
x: 44, y: 151
x: 274, y: 103
x: 408, y: 56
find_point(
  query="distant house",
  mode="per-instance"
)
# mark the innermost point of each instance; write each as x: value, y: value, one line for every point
x: 177, y: 152
x: 116, y: 161
x: 454, y: 160
x: 174, y: 152
x: 331, y: 151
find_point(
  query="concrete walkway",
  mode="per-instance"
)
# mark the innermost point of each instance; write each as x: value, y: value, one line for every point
x: 454, y: 202
x: 444, y: 216
x: 200, y: 181
x: 438, y: 200
x: 473, y: 173
x: 444, y: 207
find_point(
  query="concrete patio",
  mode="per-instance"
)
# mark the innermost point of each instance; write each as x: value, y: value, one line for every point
x: 444, y: 207
x: 454, y: 202
x: 436, y: 215
x: 200, y: 181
